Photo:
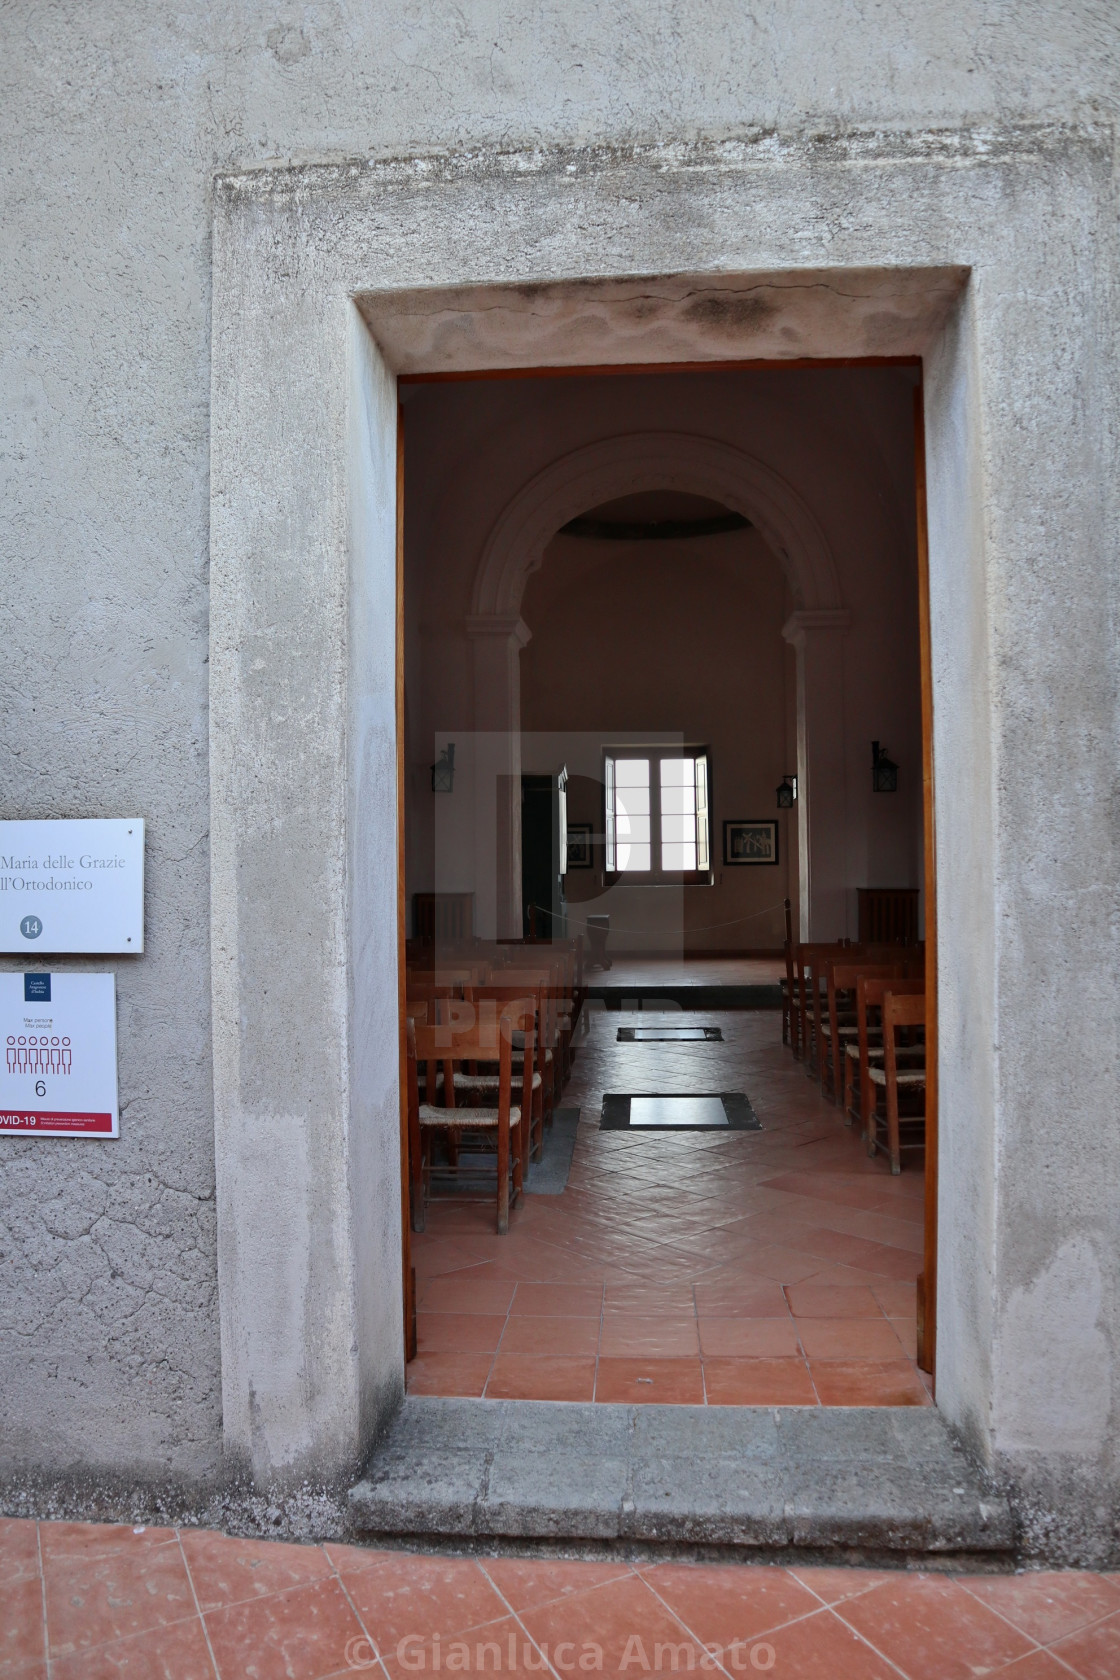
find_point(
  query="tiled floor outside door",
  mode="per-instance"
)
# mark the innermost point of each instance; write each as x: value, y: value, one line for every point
x: 80, y: 1601
x: 771, y: 1268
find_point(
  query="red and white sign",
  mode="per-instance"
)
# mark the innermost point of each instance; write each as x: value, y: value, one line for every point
x: 59, y: 1073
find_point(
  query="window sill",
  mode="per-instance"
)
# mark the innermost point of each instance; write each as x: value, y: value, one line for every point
x: 627, y: 878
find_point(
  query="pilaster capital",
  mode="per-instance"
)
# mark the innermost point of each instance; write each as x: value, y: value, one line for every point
x: 510, y: 625
x: 800, y: 624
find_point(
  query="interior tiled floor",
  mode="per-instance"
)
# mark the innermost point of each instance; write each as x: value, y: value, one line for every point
x: 741, y: 1268
x: 86, y: 1602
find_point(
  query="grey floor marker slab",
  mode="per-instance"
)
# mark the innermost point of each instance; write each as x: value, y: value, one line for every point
x: 875, y: 1481
x: 670, y: 1035
x: 676, y: 1111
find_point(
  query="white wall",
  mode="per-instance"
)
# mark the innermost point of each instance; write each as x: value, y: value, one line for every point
x: 603, y: 645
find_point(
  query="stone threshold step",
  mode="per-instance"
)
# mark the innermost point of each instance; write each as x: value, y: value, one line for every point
x: 883, y: 1480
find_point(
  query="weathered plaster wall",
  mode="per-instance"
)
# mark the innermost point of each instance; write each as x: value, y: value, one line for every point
x: 113, y: 121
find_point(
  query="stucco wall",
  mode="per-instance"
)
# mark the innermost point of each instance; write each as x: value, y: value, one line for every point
x: 114, y: 121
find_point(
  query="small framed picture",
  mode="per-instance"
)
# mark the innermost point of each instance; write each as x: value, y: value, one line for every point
x: 579, y: 846
x: 750, y: 840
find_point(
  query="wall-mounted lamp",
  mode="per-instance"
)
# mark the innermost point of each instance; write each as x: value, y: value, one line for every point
x: 787, y: 792
x: 884, y: 770
x: 443, y: 770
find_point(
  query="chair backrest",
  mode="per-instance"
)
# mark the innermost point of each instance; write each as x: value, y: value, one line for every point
x: 843, y: 976
x: 486, y: 1040
x: 442, y: 918
x: 902, y: 1009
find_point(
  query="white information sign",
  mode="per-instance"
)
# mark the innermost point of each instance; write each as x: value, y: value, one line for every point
x: 72, y: 886
x: 59, y: 1033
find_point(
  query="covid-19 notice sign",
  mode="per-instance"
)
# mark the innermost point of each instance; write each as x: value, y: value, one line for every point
x: 59, y: 1032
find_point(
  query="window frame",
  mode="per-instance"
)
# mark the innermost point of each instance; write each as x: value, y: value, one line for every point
x: 652, y: 877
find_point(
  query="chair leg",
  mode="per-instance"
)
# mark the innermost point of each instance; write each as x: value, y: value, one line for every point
x: 893, y: 1140
x: 520, y: 1155
x: 503, y: 1175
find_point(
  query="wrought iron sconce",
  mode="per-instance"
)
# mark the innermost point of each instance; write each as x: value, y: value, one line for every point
x: 443, y: 770
x: 787, y: 792
x: 884, y: 770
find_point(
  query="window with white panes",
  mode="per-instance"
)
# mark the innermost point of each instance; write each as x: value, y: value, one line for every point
x: 657, y: 822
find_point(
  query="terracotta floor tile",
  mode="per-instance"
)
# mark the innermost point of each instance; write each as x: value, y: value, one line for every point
x: 1047, y: 1604
x: 819, y: 1647
x: 1039, y: 1665
x: 663, y: 1382
x: 450, y: 1332
x: 465, y: 1294
x: 643, y: 1299
x: 348, y: 1560
x: 759, y: 1382
x: 19, y: 1548
x: 84, y: 1540
x: 742, y: 1338
x: 893, y: 1382
x: 301, y: 1634
x: 933, y: 1629
x: 551, y: 1336
x: 176, y: 1652
x: 109, y: 1595
x: 849, y: 1338
x: 877, y: 1258
x: 463, y: 1374
x: 557, y: 1300
x: 723, y: 1606
x: 1094, y: 1652
x: 498, y: 1648
x: 906, y: 1329
x: 835, y: 1584
x: 525, y: 1376
x: 816, y: 1300
x: 226, y: 1570
x: 741, y: 1298
x: 625, y: 1620
x: 410, y: 1594
x: 527, y: 1583
x: 21, y: 1622
x: 668, y: 1338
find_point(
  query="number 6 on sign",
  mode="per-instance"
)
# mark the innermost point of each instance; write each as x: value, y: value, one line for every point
x: 59, y: 1077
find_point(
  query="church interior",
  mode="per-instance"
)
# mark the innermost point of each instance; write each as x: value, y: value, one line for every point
x: 664, y: 867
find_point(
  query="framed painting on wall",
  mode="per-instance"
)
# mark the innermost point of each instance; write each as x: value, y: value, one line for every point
x: 579, y: 846
x: 750, y: 840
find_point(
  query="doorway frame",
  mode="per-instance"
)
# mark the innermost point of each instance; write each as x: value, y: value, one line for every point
x: 329, y: 279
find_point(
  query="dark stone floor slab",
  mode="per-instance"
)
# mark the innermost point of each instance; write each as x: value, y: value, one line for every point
x: 873, y: 1481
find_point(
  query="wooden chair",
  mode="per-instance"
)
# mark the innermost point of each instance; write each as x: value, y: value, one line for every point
x: 839, y: 1024
x: 530, y: 969
x: 865, y: 1047
x: 808, y: 1001
x: 479, y: 1083
x: 442, y: 1046
x: 895, y: 1077
x: 787, y: 984
x: 870, y: 991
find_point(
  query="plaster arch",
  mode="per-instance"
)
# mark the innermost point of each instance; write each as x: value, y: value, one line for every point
x: 618, y: 466
x: 635, y: 461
